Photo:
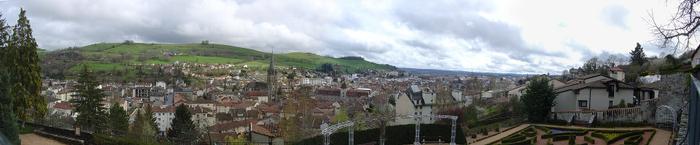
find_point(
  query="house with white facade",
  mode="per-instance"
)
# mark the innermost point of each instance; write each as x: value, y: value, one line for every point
x: 414, y: 101
x: 164, y: 116
x: 597, y: 93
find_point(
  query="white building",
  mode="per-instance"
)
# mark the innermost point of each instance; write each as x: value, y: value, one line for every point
x: 414, y: 101
x: 598, y: 93
x: 164, y: 116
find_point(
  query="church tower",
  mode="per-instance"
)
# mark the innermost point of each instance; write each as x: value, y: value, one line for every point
x: 272, y: 78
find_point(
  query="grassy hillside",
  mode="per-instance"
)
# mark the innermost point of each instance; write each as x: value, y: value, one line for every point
x: 110, y: 56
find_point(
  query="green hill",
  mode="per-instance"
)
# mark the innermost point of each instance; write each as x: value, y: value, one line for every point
x: 110, y: 56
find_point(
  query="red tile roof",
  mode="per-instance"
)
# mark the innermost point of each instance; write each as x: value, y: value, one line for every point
x: 63, y: 105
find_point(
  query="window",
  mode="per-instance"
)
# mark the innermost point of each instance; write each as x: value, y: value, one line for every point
x: 610, y: 103
x: 582, y: 103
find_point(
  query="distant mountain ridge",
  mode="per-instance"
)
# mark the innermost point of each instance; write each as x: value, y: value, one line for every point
x: 109, y: 56
x: 456, y: 73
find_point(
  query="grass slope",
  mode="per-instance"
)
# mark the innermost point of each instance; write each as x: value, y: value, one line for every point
x: 110, y: 56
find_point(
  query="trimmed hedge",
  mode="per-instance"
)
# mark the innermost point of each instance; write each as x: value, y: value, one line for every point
x: 577, y: 133
x: 634, y: 140
x: 600, y: 136
x: 652, y: 136
x: 560, y: 138
x: 513, y: 138
x: 620, y: 137
x: 589, y: 139
x: 522, y: 142
x: 401, y: 134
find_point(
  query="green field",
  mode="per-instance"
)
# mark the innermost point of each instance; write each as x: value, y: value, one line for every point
x: 110, y: 56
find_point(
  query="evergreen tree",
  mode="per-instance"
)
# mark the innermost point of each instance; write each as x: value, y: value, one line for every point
x: 8, y: 126
x: 148, y: 117
x: 90, y: 111
x: 538, y: 99
x: 183, y: 128
x: 118, y: 119
x: 8, y: 120
x: 637, y: 55
x: 142, y: 129
x: 22, y: 60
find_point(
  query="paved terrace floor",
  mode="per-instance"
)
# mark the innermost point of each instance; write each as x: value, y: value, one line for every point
x: 34, y: 139
x: 662, y: 137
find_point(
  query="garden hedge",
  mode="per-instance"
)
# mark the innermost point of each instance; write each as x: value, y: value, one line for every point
x: 653, y: 132
x: 522, y: 142
x: 401, y: 134
x: 634, y: 140
x: 560, y: 138
x: 589, y: 139
x: 600, y: 136
x: 513, y: 138
x: 625, y: 135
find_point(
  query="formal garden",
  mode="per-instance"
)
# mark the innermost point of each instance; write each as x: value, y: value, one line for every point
x: 549, y: 135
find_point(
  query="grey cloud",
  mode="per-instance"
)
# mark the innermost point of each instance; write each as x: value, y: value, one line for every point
x: 291, y: 25
x: 461, y: 19
x: 615, y: 15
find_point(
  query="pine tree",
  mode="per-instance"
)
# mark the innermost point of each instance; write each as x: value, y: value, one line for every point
x: 637, y: 55
x: 538, y: 99
x: 183, y: 128
x: 22, y: 61
x: 118, y: 120
x: 90, y: 111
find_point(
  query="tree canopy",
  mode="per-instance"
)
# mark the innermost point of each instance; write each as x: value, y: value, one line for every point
x: 118, y: 119
x: 637, y: 56
x: 91, y: 112
x: 183, y: 129
x: 538, y: 99
x: 22, y: 61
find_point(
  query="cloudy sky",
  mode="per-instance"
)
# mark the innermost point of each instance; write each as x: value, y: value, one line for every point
x: 533, y: 36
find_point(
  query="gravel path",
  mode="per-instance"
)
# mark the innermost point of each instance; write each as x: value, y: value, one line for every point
x: 33, y: 139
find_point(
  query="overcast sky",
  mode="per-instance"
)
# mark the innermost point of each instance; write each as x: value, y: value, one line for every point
x: 523, y: 36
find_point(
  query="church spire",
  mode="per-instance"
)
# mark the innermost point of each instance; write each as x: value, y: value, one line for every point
x: 271, y: 76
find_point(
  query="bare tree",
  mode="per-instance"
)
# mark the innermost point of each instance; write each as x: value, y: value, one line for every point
x: 680, y: 29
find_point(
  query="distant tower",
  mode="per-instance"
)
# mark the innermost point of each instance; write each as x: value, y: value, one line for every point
x: 271, y: 77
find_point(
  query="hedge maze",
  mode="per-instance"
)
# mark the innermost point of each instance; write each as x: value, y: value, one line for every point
x: 542, y: 135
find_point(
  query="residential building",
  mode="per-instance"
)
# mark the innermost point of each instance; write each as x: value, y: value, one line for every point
x: 414, y: 101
